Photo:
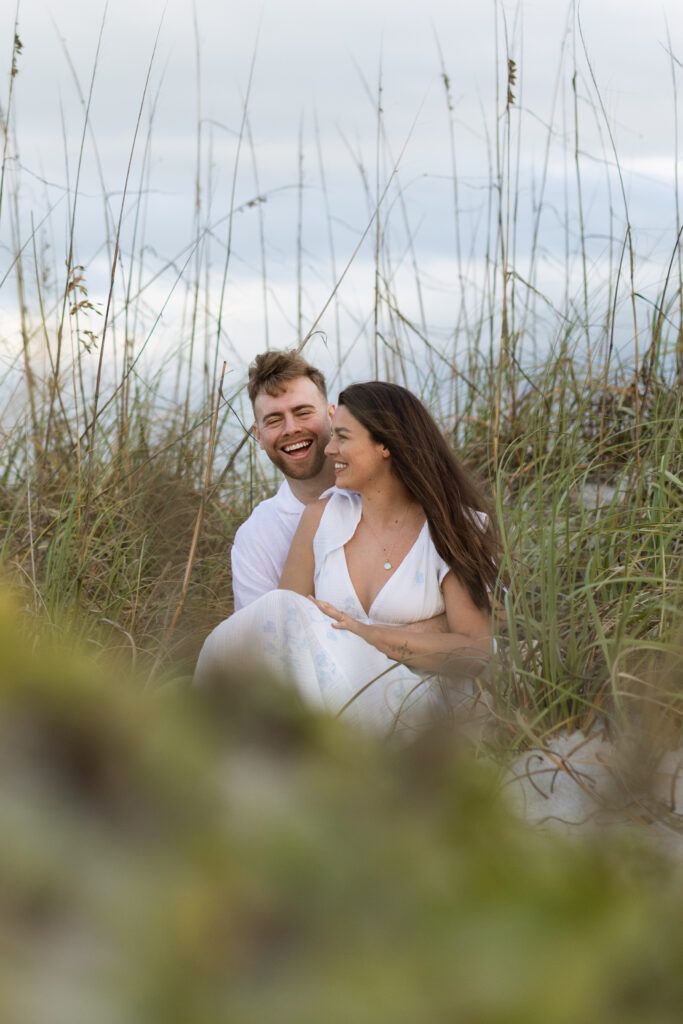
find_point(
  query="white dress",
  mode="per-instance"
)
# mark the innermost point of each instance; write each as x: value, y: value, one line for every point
x: 334, y: 669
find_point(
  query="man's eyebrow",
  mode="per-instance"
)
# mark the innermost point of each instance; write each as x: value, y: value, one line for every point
x: 304, y: 407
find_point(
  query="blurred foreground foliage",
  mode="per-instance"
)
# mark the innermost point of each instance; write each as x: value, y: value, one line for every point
x: 168, y: 856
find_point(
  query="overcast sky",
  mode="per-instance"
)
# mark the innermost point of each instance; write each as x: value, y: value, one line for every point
x: 316, y: 73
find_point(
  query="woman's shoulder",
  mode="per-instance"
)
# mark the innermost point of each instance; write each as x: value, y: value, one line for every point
x: 340, y: 503
x: 337, y: 521
x: 341, y: 495
x: 430, y: 557
x: 313, y: 513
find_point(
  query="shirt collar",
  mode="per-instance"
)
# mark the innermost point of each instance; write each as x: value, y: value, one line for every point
x: 287, y: 502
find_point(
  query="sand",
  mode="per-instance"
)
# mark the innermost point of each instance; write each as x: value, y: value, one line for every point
x: 577, y: 782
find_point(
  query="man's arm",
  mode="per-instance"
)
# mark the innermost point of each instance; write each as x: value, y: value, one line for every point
x: 254, y: 570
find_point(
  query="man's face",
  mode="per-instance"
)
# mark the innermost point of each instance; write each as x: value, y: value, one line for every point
x: 294, y: 427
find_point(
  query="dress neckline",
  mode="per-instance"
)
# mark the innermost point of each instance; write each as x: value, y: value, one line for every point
x: 387, y: 581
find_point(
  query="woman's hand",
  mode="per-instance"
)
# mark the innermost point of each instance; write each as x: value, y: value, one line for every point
x: 463, y: 649
x: 340, y: 620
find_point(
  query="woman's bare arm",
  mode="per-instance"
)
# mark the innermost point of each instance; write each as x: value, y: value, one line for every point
x: 437, y: 624
x: 297, y: 574
x: 462, y: 648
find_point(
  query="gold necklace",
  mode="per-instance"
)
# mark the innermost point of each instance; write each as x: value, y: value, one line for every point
x: 387, y: 560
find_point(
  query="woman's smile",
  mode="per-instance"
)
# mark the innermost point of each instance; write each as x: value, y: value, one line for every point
x: 356, y: 456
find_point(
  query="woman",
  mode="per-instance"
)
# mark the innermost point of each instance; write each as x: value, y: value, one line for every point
x: 398, y: 548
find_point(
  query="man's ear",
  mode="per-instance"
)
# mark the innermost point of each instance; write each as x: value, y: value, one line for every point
x: 257, y: 433
x: 331, y: 409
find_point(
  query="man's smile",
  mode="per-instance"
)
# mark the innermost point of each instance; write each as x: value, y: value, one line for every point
x: 297, y: 449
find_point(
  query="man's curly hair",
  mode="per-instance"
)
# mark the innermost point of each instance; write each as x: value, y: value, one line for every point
x: 273, y: 371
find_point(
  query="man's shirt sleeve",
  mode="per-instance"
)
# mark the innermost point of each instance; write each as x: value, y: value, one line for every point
x: 254, y: 569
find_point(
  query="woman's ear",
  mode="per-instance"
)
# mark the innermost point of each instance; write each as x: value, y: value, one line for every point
x: 386, y: 454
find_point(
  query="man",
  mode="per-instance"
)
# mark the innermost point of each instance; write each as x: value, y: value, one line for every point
x: 292, y: 420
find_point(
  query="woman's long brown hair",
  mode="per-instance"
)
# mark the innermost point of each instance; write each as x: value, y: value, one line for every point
x: 425, y: 464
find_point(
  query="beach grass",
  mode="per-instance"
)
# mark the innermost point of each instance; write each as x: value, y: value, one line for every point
x: 123, y: 481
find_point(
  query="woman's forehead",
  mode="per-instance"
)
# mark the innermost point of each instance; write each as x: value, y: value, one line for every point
x: 343, y: 418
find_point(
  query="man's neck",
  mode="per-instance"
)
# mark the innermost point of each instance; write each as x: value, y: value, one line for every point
x: 308, y: 491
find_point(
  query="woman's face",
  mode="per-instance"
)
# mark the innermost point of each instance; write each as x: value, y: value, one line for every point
x: 359, y: 461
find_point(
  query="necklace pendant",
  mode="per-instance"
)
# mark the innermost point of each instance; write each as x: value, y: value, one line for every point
x: 387, y: 564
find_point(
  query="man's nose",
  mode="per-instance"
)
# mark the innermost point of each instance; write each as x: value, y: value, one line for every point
x: 291, y: 424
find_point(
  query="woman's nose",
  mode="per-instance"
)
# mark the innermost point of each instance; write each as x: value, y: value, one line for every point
x: 330, y: 447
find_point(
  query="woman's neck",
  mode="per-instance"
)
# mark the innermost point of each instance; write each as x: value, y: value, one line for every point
x: 388, y: 503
